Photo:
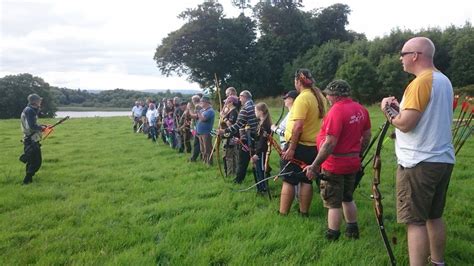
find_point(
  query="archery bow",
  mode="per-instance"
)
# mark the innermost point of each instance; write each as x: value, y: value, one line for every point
x: 277, y: 147
x: 267, y: 178
x: 376, y: 195
x: 216, y: 146
x: 49, y: 129
x: 269, y: 149
x: 361, y: 172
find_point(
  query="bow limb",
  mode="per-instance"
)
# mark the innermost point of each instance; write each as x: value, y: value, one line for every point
x: 360, y: 174
x: 281, y: 115
x: 60, y: 121
x: 49, y: 129
x: 277, y: 148
x: 372, y: 142
x: 216, y: 146
x: 267, y: 163
x: 269, y: 148
x: 269, y: 151
x: 218, y: 90
x: 263, y: 180
x: 376, y: 195
x: 217, y: 154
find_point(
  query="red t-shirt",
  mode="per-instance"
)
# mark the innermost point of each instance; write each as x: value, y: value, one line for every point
x: 346, y: 121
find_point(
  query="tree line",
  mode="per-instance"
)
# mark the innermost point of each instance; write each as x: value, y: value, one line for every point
x: 14, y: 89
x: 262, y: 52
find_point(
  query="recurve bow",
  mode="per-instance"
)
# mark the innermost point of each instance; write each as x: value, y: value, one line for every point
x: 376, y: 195
x: 216, y: 147
x: 49, y: 129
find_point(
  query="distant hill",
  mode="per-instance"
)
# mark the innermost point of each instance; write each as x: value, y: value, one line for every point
x: 155, y: 91
x: 183, y: 91
x: 112, y: 98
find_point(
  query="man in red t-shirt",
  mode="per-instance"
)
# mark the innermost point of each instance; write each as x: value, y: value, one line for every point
x: 344, y: 134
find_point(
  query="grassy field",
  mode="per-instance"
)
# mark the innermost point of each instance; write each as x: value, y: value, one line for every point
x: 105, y: 195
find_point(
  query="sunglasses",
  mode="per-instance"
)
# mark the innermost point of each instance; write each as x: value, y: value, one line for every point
x: 402, y: 54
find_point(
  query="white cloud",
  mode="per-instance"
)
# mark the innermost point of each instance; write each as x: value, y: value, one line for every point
x: 105, y: 44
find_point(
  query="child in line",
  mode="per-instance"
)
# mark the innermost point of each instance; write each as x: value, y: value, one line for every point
x: 261, y: 146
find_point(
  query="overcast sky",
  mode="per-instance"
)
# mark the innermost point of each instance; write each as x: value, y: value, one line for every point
x: 105, y: 44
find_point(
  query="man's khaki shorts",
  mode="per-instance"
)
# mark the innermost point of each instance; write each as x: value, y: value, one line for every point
x: 336, y: 189
x: 421, y: 192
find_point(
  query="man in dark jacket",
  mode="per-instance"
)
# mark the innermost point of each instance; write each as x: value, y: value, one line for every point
x: 32, y: 133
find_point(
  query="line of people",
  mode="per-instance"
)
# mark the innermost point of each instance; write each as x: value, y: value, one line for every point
x: 325, y: 145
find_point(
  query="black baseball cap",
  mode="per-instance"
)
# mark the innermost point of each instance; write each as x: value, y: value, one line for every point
x: 292, y: 94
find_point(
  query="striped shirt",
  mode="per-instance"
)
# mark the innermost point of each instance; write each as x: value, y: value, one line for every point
x: 245, y: 118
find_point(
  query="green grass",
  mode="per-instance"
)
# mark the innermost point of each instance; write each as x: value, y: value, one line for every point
x: 105, y: 195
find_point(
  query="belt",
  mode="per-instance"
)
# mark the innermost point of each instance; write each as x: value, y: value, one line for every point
x: 353, y: 154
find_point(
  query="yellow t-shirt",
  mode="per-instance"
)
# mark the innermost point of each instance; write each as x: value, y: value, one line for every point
x: 305, y: 108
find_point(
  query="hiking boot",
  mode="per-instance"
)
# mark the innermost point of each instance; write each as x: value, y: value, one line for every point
x: 352, y: 231
x: 332, y: 235
x: 28, y: 179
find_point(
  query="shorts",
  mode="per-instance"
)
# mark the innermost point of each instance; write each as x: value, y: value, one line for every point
x: 336, y: 189
x: 421, y: 192
x: 303, y: 153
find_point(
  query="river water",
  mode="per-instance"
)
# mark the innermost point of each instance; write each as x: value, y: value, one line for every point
x: 77, y: 114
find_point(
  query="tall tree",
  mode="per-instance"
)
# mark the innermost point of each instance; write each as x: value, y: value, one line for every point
x: 207, y: 44
x: 390, y: 44
x: 391, y: 77
x: 296, y: 32
x: 462, y: 65
x: 330, y: 23
x: 361, y: 75
x: 284, y: 33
